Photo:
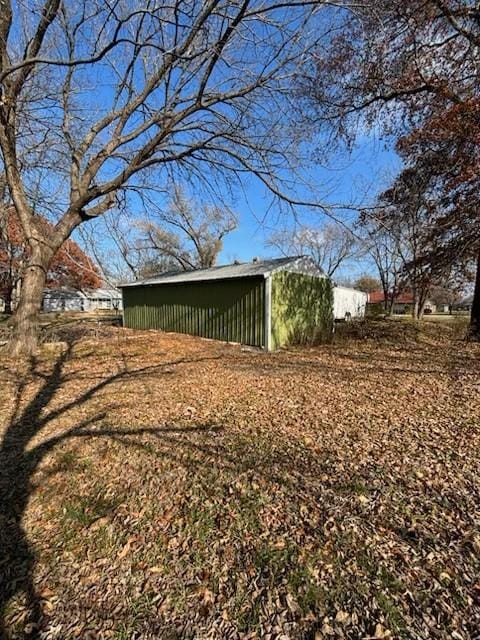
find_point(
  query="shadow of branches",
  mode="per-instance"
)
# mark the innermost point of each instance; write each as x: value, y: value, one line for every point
x: 312, y: 454
x: 20, y: 457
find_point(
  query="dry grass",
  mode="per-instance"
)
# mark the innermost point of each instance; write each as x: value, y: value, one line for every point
x: 180, y: 488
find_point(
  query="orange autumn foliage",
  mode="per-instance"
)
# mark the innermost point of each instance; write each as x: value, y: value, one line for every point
x: 70, y: 267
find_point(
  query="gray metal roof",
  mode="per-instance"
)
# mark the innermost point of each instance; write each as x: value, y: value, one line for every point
x: 260, y: 268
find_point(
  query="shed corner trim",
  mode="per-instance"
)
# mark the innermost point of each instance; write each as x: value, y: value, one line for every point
x: 268, y: 312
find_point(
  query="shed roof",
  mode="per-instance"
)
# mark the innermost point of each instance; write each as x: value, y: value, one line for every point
x: 340, y: 286
x: 259, y: 268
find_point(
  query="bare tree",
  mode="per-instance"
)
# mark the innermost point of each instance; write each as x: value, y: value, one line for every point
x: 195, y: 88
x: 187, y: 233
x: 405, y: 222
x: 114, y: 241
x: 181, y: 235
x: 384, y: 248
x: 367, y: 283
x: 330, y: 245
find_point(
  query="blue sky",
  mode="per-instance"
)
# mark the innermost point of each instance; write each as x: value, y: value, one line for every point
x: 349, y: 179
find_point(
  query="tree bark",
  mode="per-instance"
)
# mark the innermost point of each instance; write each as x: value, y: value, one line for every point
x: 8, y: 300
x: 421, y: 309
x: 24, y: 338
x: 422, y: 301
x: 416, y: 307
x: 474, y: 330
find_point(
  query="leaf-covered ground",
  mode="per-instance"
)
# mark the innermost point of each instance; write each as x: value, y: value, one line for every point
x: 181, y: 488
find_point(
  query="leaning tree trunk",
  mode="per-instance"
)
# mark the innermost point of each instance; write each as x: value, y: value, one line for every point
x: 474, y: 331
x: 24, y: 339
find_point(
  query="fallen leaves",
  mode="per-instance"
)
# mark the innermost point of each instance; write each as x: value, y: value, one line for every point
x: 327, y: 492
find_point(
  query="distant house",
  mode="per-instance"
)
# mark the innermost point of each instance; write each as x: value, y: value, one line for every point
x: 464, y: 305
x: 63, y: 299
x: 104, y: 299
x: 403, y: 303
x: 443, y: 307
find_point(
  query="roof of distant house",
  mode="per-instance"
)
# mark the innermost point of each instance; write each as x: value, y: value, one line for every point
x: 104, y: 293
x: 262, y: 268
x: 378, y: 296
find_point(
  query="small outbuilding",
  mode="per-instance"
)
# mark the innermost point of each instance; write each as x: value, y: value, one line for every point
x: 269, y: 303
x: 348, y: 303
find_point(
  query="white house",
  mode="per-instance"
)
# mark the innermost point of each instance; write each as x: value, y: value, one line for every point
x: 104, y: 299
x: 62, y: 299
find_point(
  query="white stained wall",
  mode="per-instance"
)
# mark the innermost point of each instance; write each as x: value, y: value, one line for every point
x: 58, y: 300
x: 66, y: 300
x: 104, y: 299
x: 348, y: 303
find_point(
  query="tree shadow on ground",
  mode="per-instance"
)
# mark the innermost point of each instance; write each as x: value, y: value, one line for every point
x: 20, y: 457
x: 311, y: 477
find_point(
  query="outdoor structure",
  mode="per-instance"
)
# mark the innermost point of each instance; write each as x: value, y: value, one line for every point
x: 464, y: 306
x: 62, y: 299
x: 443, y: 307
x: 403, y: 303
x: 105, y: 299
x: 267, y: 304
x: 348, y: 303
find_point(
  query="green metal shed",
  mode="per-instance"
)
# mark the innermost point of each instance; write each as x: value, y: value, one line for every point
x: 267, y: 304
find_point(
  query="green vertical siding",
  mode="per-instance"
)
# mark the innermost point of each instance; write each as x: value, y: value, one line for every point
x: 302, y: 309
x: 230, y: 310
